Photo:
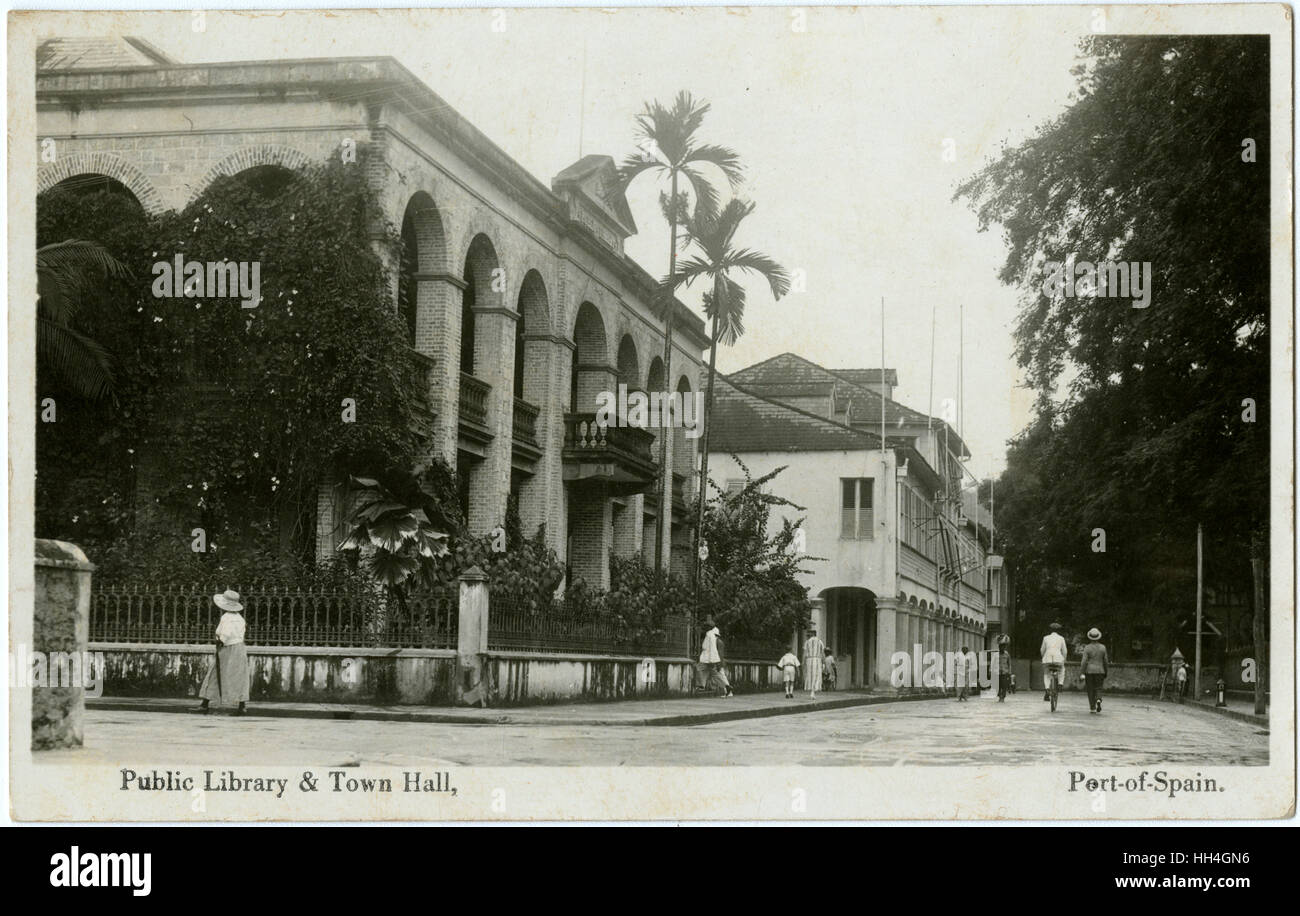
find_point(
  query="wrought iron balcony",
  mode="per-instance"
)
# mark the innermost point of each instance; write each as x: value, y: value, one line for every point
x: 619, y: 458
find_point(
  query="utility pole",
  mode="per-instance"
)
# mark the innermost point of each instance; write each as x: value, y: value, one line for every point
x: 1196, y: 676
x: 1259, y: 625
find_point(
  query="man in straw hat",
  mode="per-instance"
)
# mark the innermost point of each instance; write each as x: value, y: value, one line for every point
x: 1095, y: 667
x: 227, y: 680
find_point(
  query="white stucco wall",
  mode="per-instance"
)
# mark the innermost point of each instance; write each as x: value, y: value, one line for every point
x: 812, y: 480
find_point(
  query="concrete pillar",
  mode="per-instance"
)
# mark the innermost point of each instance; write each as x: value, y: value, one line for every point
x: 472, y: 640
x: 60, y: 634
x: 331, y: 525
x: 819, y: 616
x: 861, y: 678
x: 889, y: 628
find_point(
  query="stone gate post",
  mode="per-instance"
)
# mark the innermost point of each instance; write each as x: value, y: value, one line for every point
x: 472, y: 687
x: 61, y: 613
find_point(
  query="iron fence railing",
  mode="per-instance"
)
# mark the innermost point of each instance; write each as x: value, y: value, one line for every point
x: 275, y: 616
x: 514, y: 626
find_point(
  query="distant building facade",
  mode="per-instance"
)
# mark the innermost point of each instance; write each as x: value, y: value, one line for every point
x: 906, y: 559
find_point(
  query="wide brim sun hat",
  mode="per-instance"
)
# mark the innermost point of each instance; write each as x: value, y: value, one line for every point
x: 1053, y: 626
x: 228, y: 600
x: 1094, y: 633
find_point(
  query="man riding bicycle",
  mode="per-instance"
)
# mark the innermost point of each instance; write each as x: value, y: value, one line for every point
x: 1052, y: 652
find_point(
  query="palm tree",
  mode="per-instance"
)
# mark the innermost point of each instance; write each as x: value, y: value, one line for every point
x: 724, y: 304
x: 668, y: 148
x: 66, y: 273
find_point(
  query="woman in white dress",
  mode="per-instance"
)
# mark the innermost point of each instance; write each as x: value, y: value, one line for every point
x: 813, y: 650
x: 227, y: 680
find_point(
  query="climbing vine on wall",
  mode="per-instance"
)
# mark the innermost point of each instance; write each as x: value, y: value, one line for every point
x: 228, y: 418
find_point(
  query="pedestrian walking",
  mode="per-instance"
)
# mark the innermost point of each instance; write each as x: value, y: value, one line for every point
x: 1095, y: 666
x: 813, y: 652
x: 788, y: 664
x: 712, y: 660
x: 830, y: 670
x: 226, y: 682
x: 1052, y: 651
x: 964, y: 661
x: 1004, y: 668
x: 1180, y: 677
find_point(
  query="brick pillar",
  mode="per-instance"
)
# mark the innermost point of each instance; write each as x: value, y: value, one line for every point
x: 592, y: 537
x: 628, y: 528
x: 592, y: 380
x: 61, y: 617
x: 472, y: 686
x: 541, y: 500
x: 437, y: 335
x: 494, y: 363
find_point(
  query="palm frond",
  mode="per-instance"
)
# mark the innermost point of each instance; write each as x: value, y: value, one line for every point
x: 756, y: 261
x: 725, y: 159
x: 706, y: 195
x: 68, y: 272
x: 77, y: 361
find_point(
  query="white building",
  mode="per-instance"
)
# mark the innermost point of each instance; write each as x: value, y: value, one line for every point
x: 903, y: 563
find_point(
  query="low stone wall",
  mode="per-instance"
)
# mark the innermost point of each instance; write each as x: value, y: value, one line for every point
x: 421, y: 677
x: 287, y: 673
x: 1125, y: 677
x: 518, y: 679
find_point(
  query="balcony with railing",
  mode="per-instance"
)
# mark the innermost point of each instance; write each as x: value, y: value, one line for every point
x: 618, y: 458
x: 525, y: 421
x: 474, y: 408
x: 423, y: 381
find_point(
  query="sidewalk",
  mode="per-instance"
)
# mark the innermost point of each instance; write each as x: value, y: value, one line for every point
x: 1237, y: 708
x: 678, y: 711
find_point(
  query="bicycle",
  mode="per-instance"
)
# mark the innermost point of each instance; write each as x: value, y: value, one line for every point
x: 1055, y: 689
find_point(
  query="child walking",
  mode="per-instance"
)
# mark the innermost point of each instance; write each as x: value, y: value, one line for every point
x: 829, y: 671
x: 788, y: 664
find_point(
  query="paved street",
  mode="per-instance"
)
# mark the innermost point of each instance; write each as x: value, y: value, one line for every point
x: 1132, y: 731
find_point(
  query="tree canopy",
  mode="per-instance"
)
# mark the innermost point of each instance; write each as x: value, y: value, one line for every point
x: 1148, y: 420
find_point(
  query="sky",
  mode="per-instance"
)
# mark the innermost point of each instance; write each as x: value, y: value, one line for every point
x: 841, y: 127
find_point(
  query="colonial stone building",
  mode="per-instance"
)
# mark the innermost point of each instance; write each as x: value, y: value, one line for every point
x: 903, y: 554
x: 518, y: 296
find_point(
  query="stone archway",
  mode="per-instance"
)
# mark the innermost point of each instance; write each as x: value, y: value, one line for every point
x: 108, y: 165
x: 250, y: 157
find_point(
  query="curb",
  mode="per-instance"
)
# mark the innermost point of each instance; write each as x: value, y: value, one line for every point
x: 504, y: 718
x: 1249, y: 717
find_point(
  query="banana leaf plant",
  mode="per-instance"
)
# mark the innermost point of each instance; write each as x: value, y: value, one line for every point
x: 396, y: 540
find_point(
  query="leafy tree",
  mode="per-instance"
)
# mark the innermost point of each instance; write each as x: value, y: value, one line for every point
x: 1142, y: 428
x: 668, y: 147
x: 750, y: 583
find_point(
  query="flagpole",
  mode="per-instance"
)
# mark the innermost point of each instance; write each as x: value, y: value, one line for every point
x: 929, y: 413
x: 882, y: 377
